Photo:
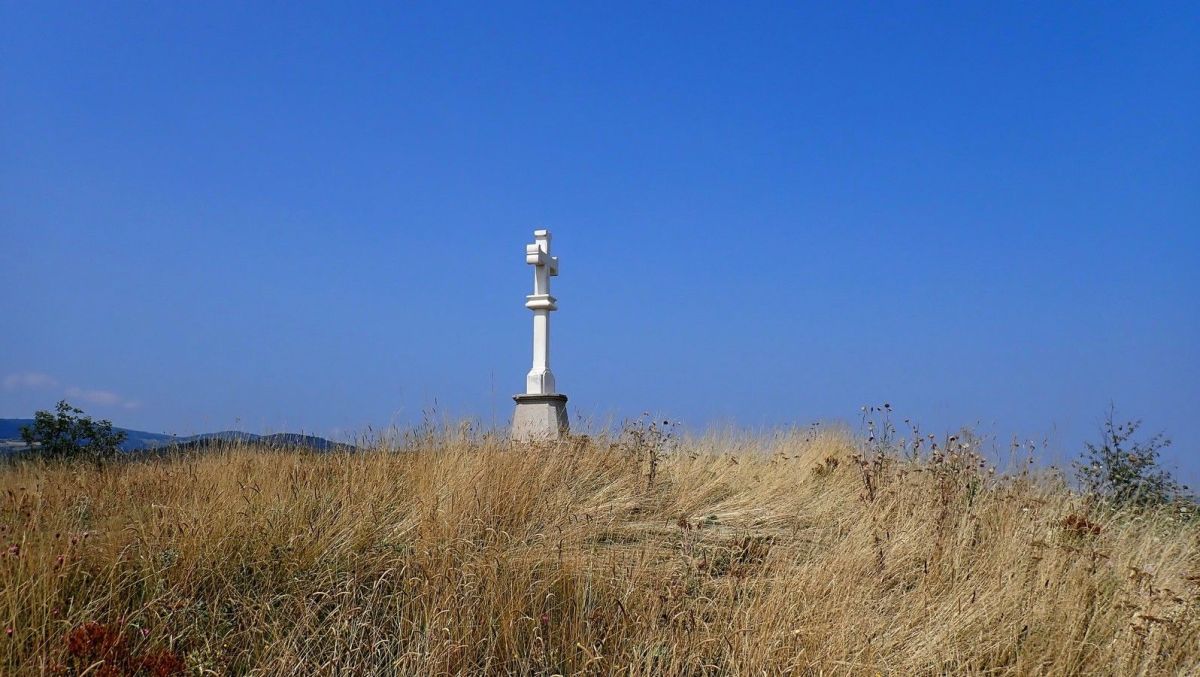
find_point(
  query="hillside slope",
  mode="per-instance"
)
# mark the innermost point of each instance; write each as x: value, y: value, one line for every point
x: 771, y: 556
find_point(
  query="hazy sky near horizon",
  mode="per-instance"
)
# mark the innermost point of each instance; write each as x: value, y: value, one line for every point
x: 300, y: 216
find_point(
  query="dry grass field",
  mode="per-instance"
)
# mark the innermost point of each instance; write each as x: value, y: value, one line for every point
x: 796, y: 553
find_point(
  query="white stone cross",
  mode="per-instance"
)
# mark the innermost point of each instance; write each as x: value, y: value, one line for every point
x: 540, y: 380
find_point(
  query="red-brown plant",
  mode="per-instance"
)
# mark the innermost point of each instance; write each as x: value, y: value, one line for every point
x: 96, y: 643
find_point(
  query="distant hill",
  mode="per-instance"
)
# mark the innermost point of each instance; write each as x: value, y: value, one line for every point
x: 140, y: 440
x: 274, y: 440
x: 135, y: 440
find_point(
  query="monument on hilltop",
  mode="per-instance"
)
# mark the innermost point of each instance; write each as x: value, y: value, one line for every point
x: 541, y: 412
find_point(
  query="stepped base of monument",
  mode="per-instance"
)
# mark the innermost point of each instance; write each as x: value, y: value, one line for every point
x: 540, y: 418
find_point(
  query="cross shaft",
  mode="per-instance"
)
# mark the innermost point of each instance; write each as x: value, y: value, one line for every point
x: 540, y: 380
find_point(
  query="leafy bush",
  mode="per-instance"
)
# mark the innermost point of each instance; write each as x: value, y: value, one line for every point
x: 68, y: 434
x: 1124, y: 471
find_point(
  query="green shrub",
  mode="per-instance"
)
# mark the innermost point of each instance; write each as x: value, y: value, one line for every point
x: 69, y: 435
x: 1125, y: 472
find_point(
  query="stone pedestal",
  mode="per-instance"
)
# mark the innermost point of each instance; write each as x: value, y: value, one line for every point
x: 540, y: 418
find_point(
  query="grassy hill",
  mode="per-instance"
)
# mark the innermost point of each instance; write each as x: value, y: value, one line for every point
x: 793, y: 554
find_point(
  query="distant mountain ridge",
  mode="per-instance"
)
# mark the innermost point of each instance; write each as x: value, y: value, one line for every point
x: 140, y: 440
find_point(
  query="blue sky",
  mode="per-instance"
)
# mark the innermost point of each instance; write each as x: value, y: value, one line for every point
x: 297, y: 216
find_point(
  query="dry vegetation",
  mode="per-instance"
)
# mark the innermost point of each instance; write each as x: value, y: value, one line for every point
x: 799, y: 553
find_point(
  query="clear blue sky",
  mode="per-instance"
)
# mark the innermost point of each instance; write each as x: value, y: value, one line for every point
x: 313, y: 216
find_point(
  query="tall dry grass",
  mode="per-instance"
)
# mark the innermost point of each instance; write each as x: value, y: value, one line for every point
x: 797, y: 554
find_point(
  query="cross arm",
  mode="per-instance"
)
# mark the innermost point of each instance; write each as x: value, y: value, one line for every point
x: 535, y: 256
